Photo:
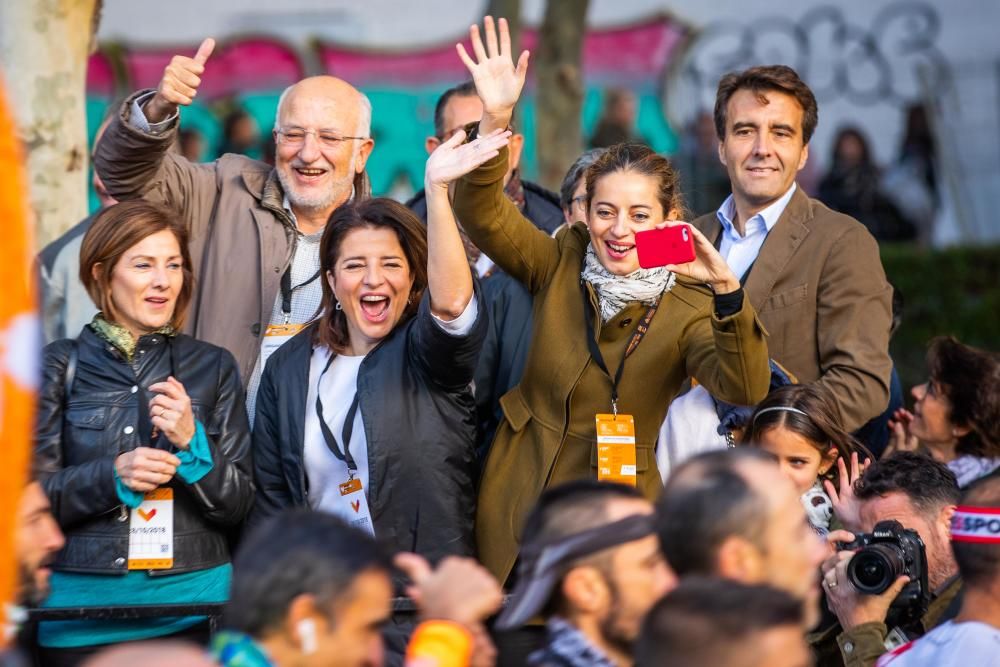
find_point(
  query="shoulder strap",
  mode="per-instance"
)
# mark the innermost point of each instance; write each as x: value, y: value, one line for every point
x: 70, y: 374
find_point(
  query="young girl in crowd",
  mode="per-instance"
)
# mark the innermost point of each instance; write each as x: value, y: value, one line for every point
x: 798, y: 424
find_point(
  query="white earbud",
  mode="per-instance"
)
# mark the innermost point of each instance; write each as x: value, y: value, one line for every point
x: 307, y: 635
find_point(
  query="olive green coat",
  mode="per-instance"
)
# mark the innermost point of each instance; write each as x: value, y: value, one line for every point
x: 548, y: 434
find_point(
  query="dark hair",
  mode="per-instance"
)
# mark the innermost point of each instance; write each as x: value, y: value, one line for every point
x: 232, y: 119
x: 569, y: 509
x: 820, y: 425
x: 575, y: 173
x: 979, y: 563
x: 706, y: 500
x: 970, y: 379
x: 378, y: 213
x: 116, y: 229
x: 465, y: 89
x: 854, y: 133
x: 708, y: 621
x: 297, y: 552
x: 928, y: 484
x: 763, y: 79
x: 639, y: 159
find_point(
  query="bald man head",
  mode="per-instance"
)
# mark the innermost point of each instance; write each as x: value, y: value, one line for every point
x: 733, y: 514
x: 322, y: 136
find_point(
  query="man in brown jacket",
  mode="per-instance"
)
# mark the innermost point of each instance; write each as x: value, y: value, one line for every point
x: 255, y: 229
x: 814, y: 276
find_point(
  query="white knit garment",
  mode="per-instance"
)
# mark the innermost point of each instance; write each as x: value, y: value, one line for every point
x: 616, y: 292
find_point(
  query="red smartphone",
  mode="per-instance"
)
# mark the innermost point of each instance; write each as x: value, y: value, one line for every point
x: 670, y: 245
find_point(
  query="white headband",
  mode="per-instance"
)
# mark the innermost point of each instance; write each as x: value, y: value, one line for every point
x: 779, y: 408
x: 976, y: 524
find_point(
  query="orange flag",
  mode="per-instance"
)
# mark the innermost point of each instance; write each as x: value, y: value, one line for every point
x: 19, y: 339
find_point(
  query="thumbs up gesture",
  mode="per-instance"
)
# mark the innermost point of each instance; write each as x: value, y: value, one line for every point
x: 179, y: 84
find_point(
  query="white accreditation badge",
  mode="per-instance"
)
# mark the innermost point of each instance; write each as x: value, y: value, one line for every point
x: 151, y: 532
x: 353, y: 506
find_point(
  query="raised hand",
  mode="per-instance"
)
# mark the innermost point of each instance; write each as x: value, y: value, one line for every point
x: 170, y: 411
x: 845, y: 504
x: 498, y: 81
x: 459, y: 590
x: 179, y: 84
x: 900, y: 438
x: 453, y: 159
x: 708, y: 265
x: 144, y: 468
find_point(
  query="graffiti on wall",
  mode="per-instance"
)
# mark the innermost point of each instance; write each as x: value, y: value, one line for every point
x: 883, y: 62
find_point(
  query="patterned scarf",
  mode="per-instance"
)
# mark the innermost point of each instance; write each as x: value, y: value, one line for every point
x: 567, y: 647
x: 616, y: 292
x: 121, y: 337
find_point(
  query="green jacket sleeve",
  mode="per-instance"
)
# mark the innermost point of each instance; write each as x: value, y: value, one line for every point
x: 495, y: 225
x: 729, y: 356
x: 862, y: 645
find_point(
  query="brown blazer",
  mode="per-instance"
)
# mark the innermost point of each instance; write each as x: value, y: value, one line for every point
x: 548, y: 435
x: 820, y: 290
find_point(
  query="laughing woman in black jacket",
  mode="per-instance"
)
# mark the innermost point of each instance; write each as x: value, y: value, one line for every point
x: 141, y: 441
x: 367, y: 413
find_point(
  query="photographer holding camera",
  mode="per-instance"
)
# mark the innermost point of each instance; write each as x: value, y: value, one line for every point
x: 898, y: 580
x: 973, y: 638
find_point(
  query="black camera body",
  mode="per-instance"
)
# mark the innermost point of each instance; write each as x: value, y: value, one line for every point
x: 887, y: 553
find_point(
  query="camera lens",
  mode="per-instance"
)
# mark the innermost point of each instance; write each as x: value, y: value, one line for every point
x: 875, y: 567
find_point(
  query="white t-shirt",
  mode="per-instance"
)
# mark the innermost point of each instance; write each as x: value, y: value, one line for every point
x: 324, y: 471
x: 969, y: 644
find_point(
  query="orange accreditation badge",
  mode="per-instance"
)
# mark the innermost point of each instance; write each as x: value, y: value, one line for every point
x: 616, y: 449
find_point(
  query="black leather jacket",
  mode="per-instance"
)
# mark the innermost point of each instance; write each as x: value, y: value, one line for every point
x: 419, y: 419
x: 78, y: 438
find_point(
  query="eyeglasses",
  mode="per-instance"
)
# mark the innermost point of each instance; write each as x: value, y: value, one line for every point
x: 581, y: 200
x: 296, y: 136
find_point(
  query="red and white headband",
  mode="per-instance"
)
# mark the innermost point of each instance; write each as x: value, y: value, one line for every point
x: 976, y: 524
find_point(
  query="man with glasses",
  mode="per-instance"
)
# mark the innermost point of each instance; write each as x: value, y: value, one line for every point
x: 457, y: 107
x: 254, y: 229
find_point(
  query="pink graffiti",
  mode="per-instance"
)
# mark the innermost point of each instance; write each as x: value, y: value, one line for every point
x: 635, y: 55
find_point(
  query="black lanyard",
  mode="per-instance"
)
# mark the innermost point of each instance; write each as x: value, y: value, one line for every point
x: 147, y: 432
x: 287, y: 289
x: 331, y: 440
x: 595, y: 350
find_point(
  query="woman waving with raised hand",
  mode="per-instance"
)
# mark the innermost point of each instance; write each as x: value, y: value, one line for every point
x: 613, y: 342
x: 367, y: 413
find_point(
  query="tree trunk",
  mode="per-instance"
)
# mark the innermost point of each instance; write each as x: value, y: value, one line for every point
x: 559, y: 77
x: 44, y: 46
x: 510, y: 10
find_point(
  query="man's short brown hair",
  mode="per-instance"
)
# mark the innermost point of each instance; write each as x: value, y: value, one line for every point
x: 763, y: 79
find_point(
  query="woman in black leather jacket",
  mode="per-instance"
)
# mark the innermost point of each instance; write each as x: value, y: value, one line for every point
x: 142, y: 442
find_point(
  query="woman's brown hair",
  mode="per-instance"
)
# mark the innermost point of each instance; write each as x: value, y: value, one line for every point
x: 379, y: 213
x: 640, y: 159
x: 115, y: 230
x: 809, y: 411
